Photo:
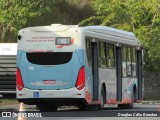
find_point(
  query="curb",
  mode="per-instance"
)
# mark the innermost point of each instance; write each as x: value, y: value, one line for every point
x: 150, y: 102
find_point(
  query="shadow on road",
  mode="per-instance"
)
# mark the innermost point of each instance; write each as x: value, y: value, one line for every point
x: 9, y: 96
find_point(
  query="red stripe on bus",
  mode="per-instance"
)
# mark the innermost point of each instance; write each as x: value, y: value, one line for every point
x: 88, y: 97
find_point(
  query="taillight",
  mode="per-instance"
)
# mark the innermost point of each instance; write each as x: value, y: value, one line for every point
x: 19, y: 80
x: 81, y: 79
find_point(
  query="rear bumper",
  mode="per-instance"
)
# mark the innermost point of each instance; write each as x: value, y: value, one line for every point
x: 26, y: 93
x: 53, y: 101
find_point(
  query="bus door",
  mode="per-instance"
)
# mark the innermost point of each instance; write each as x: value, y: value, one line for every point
x: 94, y: 47
x: 119, y: 72
x: 139, y: 74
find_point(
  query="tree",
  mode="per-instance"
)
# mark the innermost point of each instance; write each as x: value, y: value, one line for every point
x: 15, y: 14
x: 139, y: 16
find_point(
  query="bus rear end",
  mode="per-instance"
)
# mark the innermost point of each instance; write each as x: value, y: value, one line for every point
x: 50, y: 70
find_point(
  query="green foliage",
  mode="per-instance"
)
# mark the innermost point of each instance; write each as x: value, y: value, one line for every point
x: 17, y: 14
x: 94, y: 20
x: 14, y: 14
x: 139, y: 16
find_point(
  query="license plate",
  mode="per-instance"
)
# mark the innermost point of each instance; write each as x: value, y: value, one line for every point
x: 49, y: 81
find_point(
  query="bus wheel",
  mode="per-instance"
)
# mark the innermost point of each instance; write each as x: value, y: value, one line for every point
x: 88, y: 108
x: 53, y: 108
x: 42, y: 108
x: 130, y: 105
x: 102, y: 100
x: 82, y: 107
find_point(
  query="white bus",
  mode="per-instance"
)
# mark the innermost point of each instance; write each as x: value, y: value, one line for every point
x: 84, y: 66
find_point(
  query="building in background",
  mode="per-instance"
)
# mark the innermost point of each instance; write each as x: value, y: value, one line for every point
x: 8, y: 52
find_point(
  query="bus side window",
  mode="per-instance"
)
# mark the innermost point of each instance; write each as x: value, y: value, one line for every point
x: 88, y: 51
x: 129, y: 63
x: 134, y: 62
x: 111, y: 56
x: 102, y: 54
x: 124, y: 60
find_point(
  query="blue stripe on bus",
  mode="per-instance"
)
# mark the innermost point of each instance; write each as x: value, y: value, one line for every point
x: 19, y: 54
x: 58, y: 72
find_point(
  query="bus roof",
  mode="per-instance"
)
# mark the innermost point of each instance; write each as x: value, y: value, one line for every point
x: 53, y: 27
x: 107, y: 30
x: 102, y: 32
x: 99, y: 29
x: 112, y: 34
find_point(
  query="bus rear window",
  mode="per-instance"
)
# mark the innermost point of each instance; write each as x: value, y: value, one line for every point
x: 52, y: 58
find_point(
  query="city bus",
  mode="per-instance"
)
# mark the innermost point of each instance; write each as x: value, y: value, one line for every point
x: 88, y: 67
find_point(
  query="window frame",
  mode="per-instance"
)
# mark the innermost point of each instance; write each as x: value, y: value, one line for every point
x: 100, y: 56
x: 113, y: 55
x: 127, y: 61
x: 88, y: 51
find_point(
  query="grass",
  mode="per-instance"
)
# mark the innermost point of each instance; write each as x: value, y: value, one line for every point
x: 8, y: 101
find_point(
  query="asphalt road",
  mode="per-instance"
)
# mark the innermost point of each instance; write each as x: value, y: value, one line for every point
x: 89, y: 115
x: 137, y: 107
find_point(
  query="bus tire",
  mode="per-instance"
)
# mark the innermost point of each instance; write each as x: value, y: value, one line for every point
x: 133, y: 99
x: 53, y: 108
x: 130, y: 105
x: 102, y: 99
x: 82, y: 108
x: 42, y: 108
